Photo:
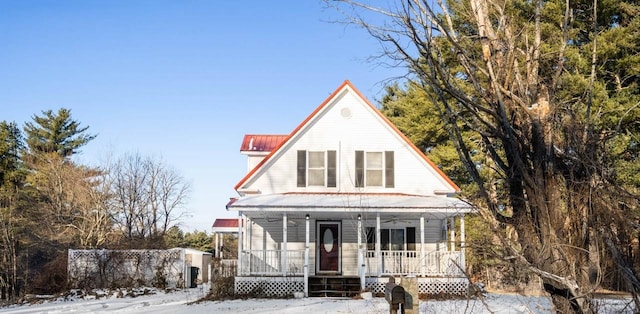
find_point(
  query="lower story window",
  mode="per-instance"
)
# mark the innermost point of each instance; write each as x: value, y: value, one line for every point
x: 392, y: 239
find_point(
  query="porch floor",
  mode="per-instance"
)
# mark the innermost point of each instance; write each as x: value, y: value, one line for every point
x: 334, y: 286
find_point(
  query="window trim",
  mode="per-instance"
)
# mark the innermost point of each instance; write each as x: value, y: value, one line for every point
x: 387, y: 169
x: 329, y: 168
x: 370, y: 168
x: 302, y: 168
x: 409, y: 235
x: 316, y: 170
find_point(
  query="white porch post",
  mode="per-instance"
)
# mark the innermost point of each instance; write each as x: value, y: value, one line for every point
x: 360, y: 254
x: 222, y: 246
x: 378, y: 246
x: 284, y: 244
x: 423, y: 261
x: 217, y: 251
x: 306, y: 257
x: 239, y: 268
x: 462, y: 244
x: 245, y: 234
x: 452, y: 240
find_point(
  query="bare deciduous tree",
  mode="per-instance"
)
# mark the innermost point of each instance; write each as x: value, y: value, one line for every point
x: 72, y: 205
x: 147, y: 197
x: 523, y: 75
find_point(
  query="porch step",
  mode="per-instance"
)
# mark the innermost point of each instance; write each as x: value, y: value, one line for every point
x: 333, y: 286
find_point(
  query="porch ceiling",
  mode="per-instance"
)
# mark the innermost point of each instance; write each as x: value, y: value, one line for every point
x: 298, y: 217
x: 352, y: 203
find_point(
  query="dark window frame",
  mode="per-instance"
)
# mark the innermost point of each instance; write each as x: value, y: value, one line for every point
x: 330, y: 168
x: 388, y: 169
x: 409, y: 238
x: 302, y: 168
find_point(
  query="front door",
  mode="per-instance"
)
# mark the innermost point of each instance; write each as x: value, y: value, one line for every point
x: 328, y: 248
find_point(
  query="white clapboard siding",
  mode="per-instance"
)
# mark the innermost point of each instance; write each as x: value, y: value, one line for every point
x: 350, y: 248
x: 272, y: 230
x: 361, y: 129
x: 254, y: 160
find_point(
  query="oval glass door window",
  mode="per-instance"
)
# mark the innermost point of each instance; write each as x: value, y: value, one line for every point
x: 327, y: 238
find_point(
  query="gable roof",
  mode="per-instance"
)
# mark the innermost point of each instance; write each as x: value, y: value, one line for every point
x: 261, y: 142
x: 345, y: 85
x: 225, y: 225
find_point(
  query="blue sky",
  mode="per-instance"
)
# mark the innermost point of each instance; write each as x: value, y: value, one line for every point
x: 180, y: 80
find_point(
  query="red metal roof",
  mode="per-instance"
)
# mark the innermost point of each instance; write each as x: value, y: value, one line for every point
x: 225, y: 223
x: 261, y: 142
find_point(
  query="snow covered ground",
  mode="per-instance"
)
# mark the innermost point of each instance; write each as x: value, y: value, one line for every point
x: 182, y: 302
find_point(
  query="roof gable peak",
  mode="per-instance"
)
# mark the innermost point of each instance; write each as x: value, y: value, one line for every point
x: 332, y: 99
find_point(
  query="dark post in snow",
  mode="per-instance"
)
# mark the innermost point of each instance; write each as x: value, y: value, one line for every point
x: 395, y: 295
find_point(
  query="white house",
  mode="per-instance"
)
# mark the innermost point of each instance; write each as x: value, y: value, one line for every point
x: 342, y: 203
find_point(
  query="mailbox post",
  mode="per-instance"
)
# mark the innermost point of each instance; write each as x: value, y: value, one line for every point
x: 395, y: 296
x: 410, y: 285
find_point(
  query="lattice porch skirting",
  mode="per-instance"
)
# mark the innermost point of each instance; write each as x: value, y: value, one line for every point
x: 286, y: 286
x: 269, y: 286
x: 455, y: 285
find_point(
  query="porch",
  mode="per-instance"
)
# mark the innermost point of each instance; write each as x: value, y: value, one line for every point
x: 440, y: 272
x: 287, y: 239
x: 363, y: 264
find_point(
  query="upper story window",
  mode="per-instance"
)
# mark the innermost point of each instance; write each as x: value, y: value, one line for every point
x: 316, y: 168
x: 375, y: 169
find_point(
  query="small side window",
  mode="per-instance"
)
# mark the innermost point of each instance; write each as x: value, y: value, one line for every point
x: 359, y: 169
x: 302, y: 168
x: 331, y: 168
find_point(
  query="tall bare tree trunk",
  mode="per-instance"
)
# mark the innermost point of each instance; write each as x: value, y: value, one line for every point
x: 483, y: 64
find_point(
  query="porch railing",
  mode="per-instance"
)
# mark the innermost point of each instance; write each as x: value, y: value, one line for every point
x: 269, y: 262
x: 223, y: 268
x: 437, y: 263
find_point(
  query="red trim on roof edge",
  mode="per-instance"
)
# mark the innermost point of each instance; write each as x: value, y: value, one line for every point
x: 231, y: 201
x: 406, y: 139
x: 275, y: 149
x: 322, y: 105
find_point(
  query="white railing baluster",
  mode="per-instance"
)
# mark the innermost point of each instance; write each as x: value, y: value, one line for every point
x: 270, y: 262
x: 438, y: 263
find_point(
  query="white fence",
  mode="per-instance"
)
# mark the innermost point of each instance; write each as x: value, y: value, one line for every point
x: 223, y: 268
x: 126, y: 268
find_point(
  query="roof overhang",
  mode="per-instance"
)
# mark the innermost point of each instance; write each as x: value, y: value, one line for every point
x: 224, y: 230
x: 341, y: 202
x: 225, y: 225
